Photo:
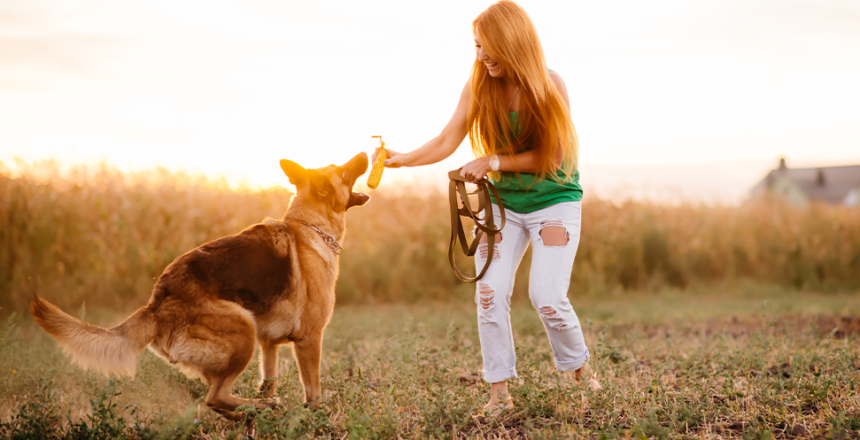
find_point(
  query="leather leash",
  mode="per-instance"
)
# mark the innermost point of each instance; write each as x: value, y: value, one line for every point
x: 457, y: 187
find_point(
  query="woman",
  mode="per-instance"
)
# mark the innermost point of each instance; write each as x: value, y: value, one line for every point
x: 517, y: 115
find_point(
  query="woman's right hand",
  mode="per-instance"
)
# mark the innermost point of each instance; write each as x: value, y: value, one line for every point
x: 394, y: 159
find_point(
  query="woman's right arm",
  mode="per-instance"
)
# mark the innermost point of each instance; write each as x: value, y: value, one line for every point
x: 440, y: 147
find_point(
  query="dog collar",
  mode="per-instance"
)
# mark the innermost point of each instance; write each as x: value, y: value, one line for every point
x: 327, y: 238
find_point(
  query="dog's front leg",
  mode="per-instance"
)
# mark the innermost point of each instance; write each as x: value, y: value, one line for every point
x: 308, y: 358
x: 269, y: 352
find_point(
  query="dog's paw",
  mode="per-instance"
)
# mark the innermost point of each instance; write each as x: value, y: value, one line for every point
x: 313, y: 405
x: 265, y: 404
x: 268, y: 388
x: 235, y: 416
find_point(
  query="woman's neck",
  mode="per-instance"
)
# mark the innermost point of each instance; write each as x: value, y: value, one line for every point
x: 508, y: 83
x: 511, y: 91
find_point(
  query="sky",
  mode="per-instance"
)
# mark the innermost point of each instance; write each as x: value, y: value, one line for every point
x: 670, y: 98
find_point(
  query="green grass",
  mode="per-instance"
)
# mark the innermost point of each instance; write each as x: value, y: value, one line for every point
x: 714, y: 363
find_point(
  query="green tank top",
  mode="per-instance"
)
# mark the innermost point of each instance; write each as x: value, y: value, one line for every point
x: 528, y: 193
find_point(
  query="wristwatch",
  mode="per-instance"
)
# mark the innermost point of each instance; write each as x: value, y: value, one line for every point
x: 495, y: 163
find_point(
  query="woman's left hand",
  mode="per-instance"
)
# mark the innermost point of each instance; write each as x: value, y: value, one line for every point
x: 476, y: 170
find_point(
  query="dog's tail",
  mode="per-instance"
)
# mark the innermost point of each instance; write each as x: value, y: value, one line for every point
x: 109, y: 350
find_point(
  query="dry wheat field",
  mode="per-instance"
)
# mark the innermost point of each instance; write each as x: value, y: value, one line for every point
x: 703, y: 321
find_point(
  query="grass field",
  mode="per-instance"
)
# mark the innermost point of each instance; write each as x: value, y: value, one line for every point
x: 736, y: 361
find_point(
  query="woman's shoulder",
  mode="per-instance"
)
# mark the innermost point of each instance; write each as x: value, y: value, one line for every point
x: 559, y: 85
x: 556, y: 78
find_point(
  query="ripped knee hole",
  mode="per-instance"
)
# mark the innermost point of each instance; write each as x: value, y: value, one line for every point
x: 486, y: 295
x: 552, y: 315
x: 548, y: 312
x: 553, y: 233
x: 484, y: 247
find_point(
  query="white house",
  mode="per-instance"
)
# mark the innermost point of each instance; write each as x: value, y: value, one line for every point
x: 801, y: 186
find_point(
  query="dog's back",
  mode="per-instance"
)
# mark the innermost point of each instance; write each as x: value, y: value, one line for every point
x: 253, y: 269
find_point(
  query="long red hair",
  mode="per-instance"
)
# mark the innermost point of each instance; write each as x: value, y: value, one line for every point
x: 508, y: 35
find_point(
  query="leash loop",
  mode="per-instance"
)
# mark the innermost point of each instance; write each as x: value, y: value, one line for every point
x: 483, y: 218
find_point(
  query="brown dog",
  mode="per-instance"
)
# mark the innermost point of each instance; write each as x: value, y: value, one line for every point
x: 272, y: 283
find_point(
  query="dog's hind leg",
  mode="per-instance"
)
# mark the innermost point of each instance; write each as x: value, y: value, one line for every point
x: 218, y: 343
x: 221, y: 400
x: 308, y: 359
x: 269, y: 353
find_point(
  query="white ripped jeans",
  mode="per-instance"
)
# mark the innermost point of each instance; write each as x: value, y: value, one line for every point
x: 548, y: 284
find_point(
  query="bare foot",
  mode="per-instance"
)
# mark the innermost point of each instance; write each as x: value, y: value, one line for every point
x: 590, y: 374
x: 500, y: 400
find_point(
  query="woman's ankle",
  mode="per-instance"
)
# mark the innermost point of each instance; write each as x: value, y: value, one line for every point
x: 585, y: 370
x: 499, y: 392
x: 500, y: 399
x: 590, y: 377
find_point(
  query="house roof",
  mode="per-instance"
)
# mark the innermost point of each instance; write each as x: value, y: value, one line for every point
x: 829, y: 184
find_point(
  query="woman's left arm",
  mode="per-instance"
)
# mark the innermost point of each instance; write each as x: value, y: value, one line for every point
x: 523, y: 162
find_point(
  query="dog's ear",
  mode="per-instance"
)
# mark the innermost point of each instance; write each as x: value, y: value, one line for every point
x: 320, y: 185
x: 297, y: 174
